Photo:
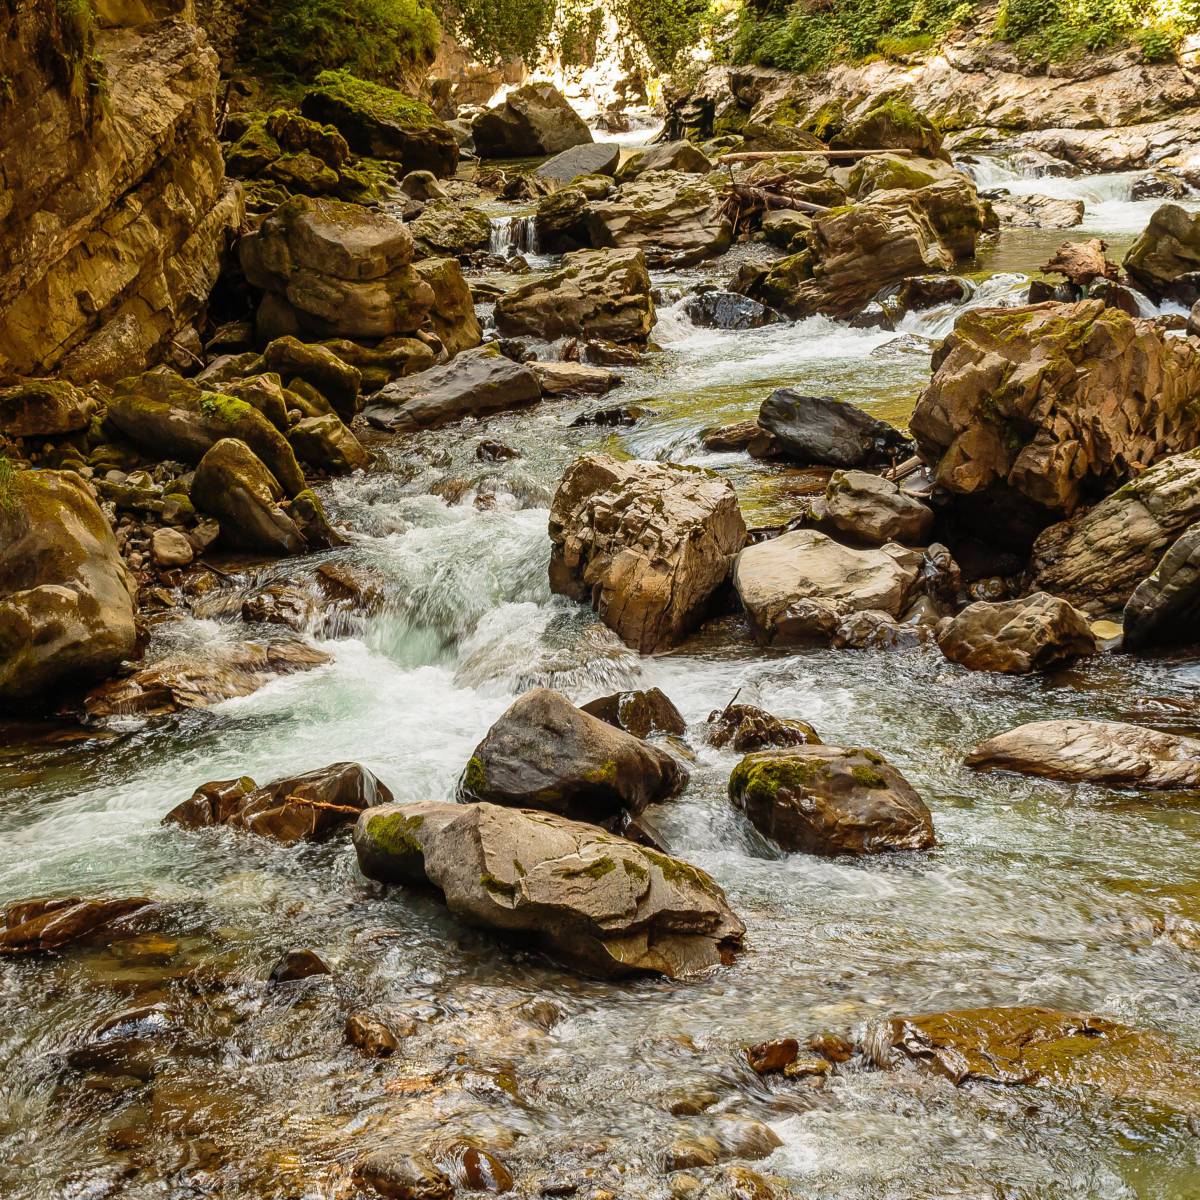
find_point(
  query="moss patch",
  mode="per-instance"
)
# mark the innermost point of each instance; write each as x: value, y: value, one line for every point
x: 395, y: 834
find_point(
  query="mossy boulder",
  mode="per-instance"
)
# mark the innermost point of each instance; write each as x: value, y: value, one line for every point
x: 388, y: 359
x: 44, y: 408
x: 597, y: 902
x: 327, y: 444
x: 67, y: 602
x: 452, y: 314
x: 336, y: 380
x: 445, y: 227
x: 891, y: 123
x: 171, y: 417
x: 382, y: 122
x: 831, y: 800
x: 265, y: 392
x: 889, y: 172
x: 545, y: 753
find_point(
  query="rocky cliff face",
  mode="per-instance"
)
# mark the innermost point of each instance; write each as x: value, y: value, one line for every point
x: 113, y: 199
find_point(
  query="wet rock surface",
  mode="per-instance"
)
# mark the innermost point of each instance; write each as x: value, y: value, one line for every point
x: 1034, y: 633
x: 824, y: 431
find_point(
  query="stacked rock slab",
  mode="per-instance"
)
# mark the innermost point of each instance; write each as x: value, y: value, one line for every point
x: 115, y: 208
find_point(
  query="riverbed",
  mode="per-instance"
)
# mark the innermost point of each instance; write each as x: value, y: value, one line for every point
x: 1078, y: 898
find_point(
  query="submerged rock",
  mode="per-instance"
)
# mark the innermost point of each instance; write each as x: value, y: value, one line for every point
x: 822, y: 431
x: 744, y: 728
x: 831, y: 800
x: 531, y: 120
x: 640, y: 713
x: 1032, y: 633
x: 67, y: 601
x: 1104, y: 752
x: 648, y: 544
x: 593, y: 900
x: 728, y: 310
x: 544, y: 753
x: 400, y: 1176
x: 304, y: 808
x: 296, y: 965
x: 42, y: 924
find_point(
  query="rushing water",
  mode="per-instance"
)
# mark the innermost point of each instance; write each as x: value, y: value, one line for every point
x: 1037, y: 893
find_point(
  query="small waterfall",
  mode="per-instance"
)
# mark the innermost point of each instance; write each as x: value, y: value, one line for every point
x: 513, y: 235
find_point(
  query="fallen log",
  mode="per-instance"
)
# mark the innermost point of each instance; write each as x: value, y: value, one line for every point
x: 760, y: 155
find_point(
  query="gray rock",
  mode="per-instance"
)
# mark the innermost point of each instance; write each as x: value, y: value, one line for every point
x: 531, y: 120
x: 1165, y: 606
x: 822, y: 431
x: 728, y: 310
x: 588, y: 158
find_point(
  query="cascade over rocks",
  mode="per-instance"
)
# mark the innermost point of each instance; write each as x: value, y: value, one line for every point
x: 530, y: 121
x: 305, y: 808
x: 115, y: 209
x: 830, y: 800
x: 822, y: 431
x: 594, y: 294
x: 545, y: 753
x: 334, y: 270
x: 67, y: 601
x: 1105, y: 752
x: 591, y: 899
x: 647, y: 544
x: 1097, y: 558
x: 1032, y: 633
x: 1031, y: 409
x: 474, y: 384
x: 798, y: 586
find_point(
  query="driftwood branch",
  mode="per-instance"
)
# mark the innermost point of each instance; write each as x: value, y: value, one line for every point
x: 761, y: 155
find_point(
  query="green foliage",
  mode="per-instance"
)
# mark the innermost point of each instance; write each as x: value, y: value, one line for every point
x: 498, y: 30
x: 8, y: 496
x: 381, y: 103
x: 578, y: 31
x: 665, y: 27
x: 384, y: 40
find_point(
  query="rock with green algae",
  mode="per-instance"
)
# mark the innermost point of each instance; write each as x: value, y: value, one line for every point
x: 452, y: 315
x: 891, y: 172
x: 67, y: 601
x: 1165, y: 259
x: 446, y: 227
x: 327, y: 444
x: 337, y: 380
x: 391, y: 358
x: 591, y: 899
x: 545, y: 753
x: 890, y: 123
x: 168, y: 416
x: 44, y: 408
x: 265, y: 392
x: 831, y: 800
x: 382, y: 122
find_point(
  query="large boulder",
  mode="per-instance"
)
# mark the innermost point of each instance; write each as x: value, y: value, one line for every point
x: 43, y: 408
x: 1017, y: 637
x: 67, y: 602
x: 1165, y: 260
x: 594, y: 294
x: 673, y: 217
x: 304, y: 808
x: 872, y: 510
x: 647, y: 544
x: 679, y: 155
x: 171, y: 417
x: 1097, y: 559
x: 831, y: 800
x: 335, y: 270
x: 589, y: 898
x: 452, y: 315
x: 1165, y: 606
x: 337, y: 380
x: 233, y: 485
x: 713, y: 309
x: 588, y: 158
x: 445, y: 227
x: 1031, y: 410
x: 475, y: 383
x: 798, y: 586
x: 545, y: 753
x: 382, y: 122
x: 531, y: 120
x: 822, y: 431
x: 1112, y: 753
x: 890, y: 123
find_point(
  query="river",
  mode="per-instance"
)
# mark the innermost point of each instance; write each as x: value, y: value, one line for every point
x: 1037, y: 893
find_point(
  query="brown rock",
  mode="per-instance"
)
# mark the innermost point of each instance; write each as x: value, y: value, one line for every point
x: 640, y: 713
x: 1033, y: 633
x: 38, y: 925
x: 296, y: 965
x: 770, y: 1058
x: 370, y: 1035
x: 744, y: 728
x: 403, y: 1177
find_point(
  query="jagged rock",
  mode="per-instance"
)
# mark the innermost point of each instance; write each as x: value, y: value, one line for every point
x: 822, y: 431
x: 873, y: 630
x: 304, y: 808
x: 116, y: 211
x: 573, y: 379
x: 1031, y: 409
x: 44, y: 408
x: 744, y: 728
x: 234, y: 485
x: 382, y: 122
x: 728, y: 310
x: 545, y: 753
x: 640, y: 713
x: 42, y: 924
x: 1041, y: 1046
x: 447, y: 228
x: 1032, y: 633
x: 473, y: 384
x: 797, y: 587
x: 1106, y: 752
x: 1165, y: 260
x: 452, y: 315
x: 592, y: 899
x: 1082, y: 263
x: 594, y: 294
x: 831, y: 800
x: 335, y: 270
x: 672, y: 217
x: 873, y: 510
x: 588, y: 158
x: 67, y: 602
x: 646, y: 543
x: 1038, y: 212
x: 531, y: 120
x: 338, y: 381
x: 1097, y: 559
x: 683, y: 156
x: 1165, y: 606
x: 181, y: 682
x: 327, y: 444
